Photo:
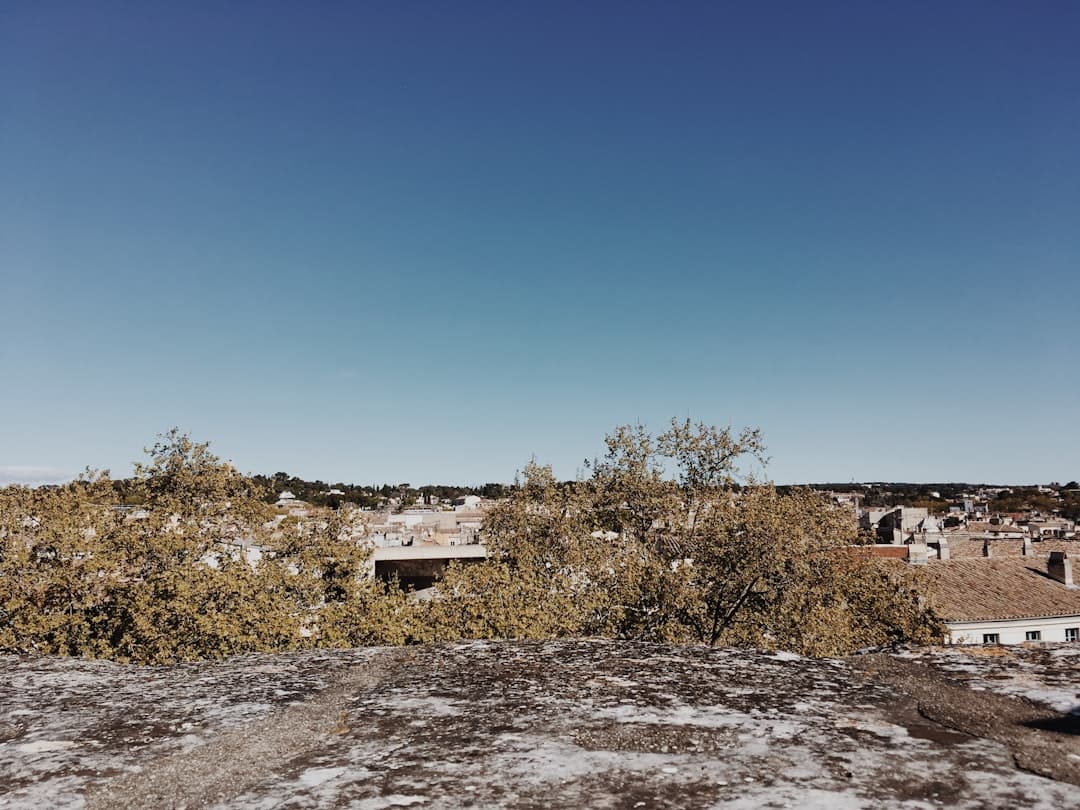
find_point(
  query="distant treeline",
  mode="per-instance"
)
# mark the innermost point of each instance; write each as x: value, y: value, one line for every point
x: 317, y: 492
x: 1062, y: 499
x: 665, y: 540
x: 268, y: 488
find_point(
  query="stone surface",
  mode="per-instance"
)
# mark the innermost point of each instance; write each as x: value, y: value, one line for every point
x: 568, y: 724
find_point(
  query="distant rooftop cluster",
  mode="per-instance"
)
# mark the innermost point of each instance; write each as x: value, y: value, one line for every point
x: 995, y: 577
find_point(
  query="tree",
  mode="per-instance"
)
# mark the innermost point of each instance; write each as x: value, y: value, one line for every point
x: 200, y: 569
x: 53, y: 572
x: 668, y: 539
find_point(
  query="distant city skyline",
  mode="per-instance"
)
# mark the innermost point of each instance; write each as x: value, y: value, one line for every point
x: 425, y: 242
x: 37, y: 476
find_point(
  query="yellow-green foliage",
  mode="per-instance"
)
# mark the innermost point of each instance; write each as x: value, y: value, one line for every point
x: 665, y: 540
x: 169, y: 582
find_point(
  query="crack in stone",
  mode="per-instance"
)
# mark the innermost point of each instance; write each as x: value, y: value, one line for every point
x: 986, y: 715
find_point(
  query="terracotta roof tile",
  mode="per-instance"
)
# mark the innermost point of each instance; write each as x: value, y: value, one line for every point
x: 971, y: 547
x: 881, y: 551
x: 997, y: 589
x: 990, y: 528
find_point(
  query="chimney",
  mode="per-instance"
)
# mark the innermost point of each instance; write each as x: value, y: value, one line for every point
x: 986, y: 548
x: 1060, y: 568
x: 943, y: 549
x: 916, y: 554
x: 1027, y: 547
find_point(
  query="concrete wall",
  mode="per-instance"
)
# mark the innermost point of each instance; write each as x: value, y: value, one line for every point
x: 419, y: 566
x: 1012, y: 631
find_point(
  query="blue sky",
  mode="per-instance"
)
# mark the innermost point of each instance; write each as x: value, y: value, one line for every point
x: 425, y: 241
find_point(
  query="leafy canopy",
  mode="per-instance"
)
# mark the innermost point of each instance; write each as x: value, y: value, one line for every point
x: 201, y: 568
x: 667, y: 538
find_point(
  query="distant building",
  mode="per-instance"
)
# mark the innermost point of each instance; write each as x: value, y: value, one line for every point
x: 466, y: 502
x: 425, y: 526
x: 897, y: 524
x: 1052, y: 528
x: 979, y: 530
x: 1005, y: 600
x: 286, y: 500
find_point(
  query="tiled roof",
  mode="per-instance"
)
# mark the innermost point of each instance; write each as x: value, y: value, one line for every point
x: 881, y: 551
x: 975, y: 526
x: 967, y: 547
x: 997, y: 589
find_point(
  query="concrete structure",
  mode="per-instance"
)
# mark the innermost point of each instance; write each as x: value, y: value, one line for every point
x: 917, y: 554
x: 898, y: 524
x: 418, y: 566
x: 564, y: 724
x: 1060, y: 568
x: 944, y: 551
x: 1052, y: 529
x: 1016, y: 631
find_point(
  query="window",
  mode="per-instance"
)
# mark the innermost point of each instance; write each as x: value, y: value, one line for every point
x: 1072, y: 633
x: 991, y: 638
x: 1033, y: 635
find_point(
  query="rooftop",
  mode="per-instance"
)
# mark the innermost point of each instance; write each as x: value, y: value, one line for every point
x: 965, y: 548
x: 997, y: 589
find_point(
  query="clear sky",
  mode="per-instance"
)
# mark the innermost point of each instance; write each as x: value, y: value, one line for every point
x: 423, y: 241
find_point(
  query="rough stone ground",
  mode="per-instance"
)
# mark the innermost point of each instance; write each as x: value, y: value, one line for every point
x: 564, y: 724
